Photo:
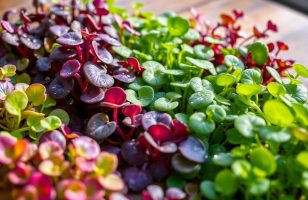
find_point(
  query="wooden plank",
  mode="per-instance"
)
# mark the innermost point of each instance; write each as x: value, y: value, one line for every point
x: 160, y: 6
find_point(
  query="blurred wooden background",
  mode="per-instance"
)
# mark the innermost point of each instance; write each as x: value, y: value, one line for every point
x: 293, y: 25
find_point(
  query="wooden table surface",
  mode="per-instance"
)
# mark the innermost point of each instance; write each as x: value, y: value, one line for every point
x: 293, y: 25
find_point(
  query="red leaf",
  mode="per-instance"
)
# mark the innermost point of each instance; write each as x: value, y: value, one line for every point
x: 115, y: 95
x: 282, y: 46
x: 270, y: 46
x: 159, y: 132
x: 179, y: 131
x: 227, y: 19
x: 238, y: 14
x: 131, y: 110
x: 271, y: 26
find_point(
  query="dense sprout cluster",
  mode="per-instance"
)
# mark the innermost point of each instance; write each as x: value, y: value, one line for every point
x: 96, y: 103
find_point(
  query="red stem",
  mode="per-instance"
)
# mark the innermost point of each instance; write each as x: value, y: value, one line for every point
x: 79, y: 80
x: 79, y: 52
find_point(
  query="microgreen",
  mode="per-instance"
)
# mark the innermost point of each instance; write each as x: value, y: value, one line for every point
x: 103, y: 104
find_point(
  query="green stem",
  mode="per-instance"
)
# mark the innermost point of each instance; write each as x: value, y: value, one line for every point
x: 183, y: 103
x: 22, y: 130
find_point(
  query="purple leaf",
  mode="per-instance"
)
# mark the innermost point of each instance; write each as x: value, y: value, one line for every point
x: 93, y: 95
x: 193, y: 149
x: 97, y: 75
x: 99, y: 126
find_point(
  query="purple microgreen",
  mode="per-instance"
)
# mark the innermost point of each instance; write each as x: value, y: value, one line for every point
x: 152, y: 118
x: 10, y: 38
x: 99, y: 126
x: 137, y: 179
x: 106, y: 38
x: 59, y: 30
x: 101, y: 53
x: 193, y: 149
x: 166, y: 147
x: 58, y: 11
x: 184, y: 166
x: 7, y: 26
x: 97, y: 75
x: 92, y: 95
x: 6, y: 87
x: 61, y: 53
x: 133, y: 153
x: 70, y: 39
x: 124, y: 75
x: 31, y: 41
x: 59, y: 88
x: 175, y: 193
x: 43, y: 64
x: 53, y: 136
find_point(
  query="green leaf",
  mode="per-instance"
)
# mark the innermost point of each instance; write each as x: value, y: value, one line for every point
x: 51, y: 123
x: 251, y: 76
x: 264, y: 160
x: 233, y: 62
x: 144, y: 97
x: 201, y: 99
x: 302, y: 158
x: 276, y: 89
x: 225, y: 182
x: 153, y: 75
x: 7, y: 71
x: 216, y: 112
x: 177, y: 26
x: 36, y: 94
x: 301, y: 113
x: 22, y: 64
x: 297, y: 92
x: 175, y: 181
x: 34, y: 122
x: 207, y: 189
x: 259, y: 52
x: 173, y: 96
x: 138, y: 83
x: 248, y: 124
x: 223, y: 159
x: 61, y: 114
x: 184, y: 118
x: 275, y: 134
x: 200, y: 125
x: 122, y: 51
x: 196, y: 84
x: 203, y: 64
x: 241, y: 168
x: 236, y: 138
x: 259, y: 186
x: 163, y: 104
x: 49, y: 102
x: 277, y: 113
x: 301, y: 70
x: 274, y: 74
x: 247, y: 89
x: 203, y: 52
x: 174, y: 72
x: 16, y: 102
x: 191, y: 35
x: 225, y: 79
